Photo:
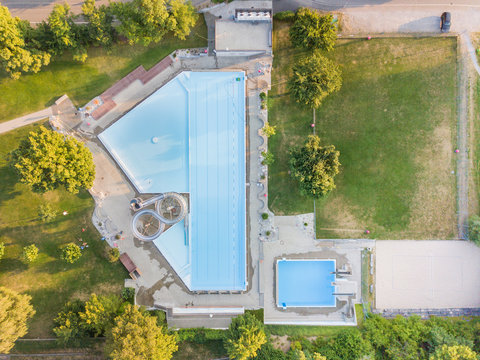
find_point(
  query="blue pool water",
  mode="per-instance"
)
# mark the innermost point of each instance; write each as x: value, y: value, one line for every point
x: 189, y: 137
x: 305, y: 283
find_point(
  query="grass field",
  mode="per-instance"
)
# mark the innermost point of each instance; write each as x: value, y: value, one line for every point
x: 82, y: 82
x: 50, y: 281
x: 393, y: 122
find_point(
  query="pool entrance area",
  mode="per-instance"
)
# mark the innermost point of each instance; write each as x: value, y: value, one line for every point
x: 188, y: 138
x: 305, y: 283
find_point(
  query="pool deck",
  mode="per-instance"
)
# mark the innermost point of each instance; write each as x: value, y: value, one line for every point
x: 159, y: 285
x: 295, y: 242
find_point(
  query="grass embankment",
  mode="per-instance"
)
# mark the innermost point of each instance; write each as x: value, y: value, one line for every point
x: 394, y: 124
x: 50, y: 281
x: 82, y: 82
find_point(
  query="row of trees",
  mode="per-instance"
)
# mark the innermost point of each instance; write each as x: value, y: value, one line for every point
x: 132, y: 332
x: 313, y: 78
x: 24, y: 48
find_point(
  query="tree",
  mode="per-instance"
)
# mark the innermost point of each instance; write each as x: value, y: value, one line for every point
x: 183, y: 17
x: 99, y: 313
x: 347, y: 345
x: 244, y: 337
x: 71, y: 253
x: 455, y: 352
x: 68, y: 322
x: 474, y: 229
x: 136, y: 335
x: 269, y: 130
x: 311, y: 30
x: 15, y: 57
x: 99, y: 27
x: 30, y: 253
x: 46, y: 160
x: 2, y: 250
x: 313, y: 79
x: 315, y: 167
x: 60, y: 29
x: 15, y: 310
x: 47, y: 212
x: 400, y: 338
x: 143, y: 21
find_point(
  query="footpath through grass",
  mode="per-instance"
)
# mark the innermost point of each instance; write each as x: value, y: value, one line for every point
x: 82, y: 82
x: 50, y: 281
x: 393, y: 121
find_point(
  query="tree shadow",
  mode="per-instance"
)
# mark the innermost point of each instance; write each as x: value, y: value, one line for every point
x: 7, y: 185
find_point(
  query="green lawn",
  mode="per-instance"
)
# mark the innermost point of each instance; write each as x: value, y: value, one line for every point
x: 50, y: 281
x: 82, y: 82
x: 393, y: 122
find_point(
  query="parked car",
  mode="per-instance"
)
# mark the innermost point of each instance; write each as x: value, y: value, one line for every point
x: 446, y: 20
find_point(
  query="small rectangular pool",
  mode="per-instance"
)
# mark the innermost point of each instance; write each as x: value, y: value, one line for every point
x: 305, y: 283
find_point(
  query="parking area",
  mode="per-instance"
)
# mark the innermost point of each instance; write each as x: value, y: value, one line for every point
x: 427, y: 274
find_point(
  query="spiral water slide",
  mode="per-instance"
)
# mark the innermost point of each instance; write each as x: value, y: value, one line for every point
x: 147, y: 224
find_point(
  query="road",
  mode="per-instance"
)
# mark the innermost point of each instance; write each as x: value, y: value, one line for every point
x: 36, y: 11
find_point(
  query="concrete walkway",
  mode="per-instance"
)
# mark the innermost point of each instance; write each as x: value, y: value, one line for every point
x: 25, y: 120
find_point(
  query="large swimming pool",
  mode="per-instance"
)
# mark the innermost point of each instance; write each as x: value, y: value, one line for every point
x: 305, y: 283
x: 189, y: 137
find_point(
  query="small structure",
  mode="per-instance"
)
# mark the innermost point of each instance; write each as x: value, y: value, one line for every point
x: 231, y: 37
x: 130, y: 266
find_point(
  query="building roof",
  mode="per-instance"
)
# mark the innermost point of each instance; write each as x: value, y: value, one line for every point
x: 243, y: 35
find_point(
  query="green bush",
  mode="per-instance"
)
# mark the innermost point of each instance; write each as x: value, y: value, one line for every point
x: 474, y: 229
x: 200, y: 335
x: 2, y: 250
x: 46, y: 212
x: 263, y: 96
x: 113, y: 254
x: 268, y: 158
x: 285, y: 16
x: 71, y: 253
x: 268, y: 352
x: 30, y: 253
x: 258, y: 313
x: 264, y: 216
x: 128, y: 294
x: 159, y: 314
x: 269, y: 130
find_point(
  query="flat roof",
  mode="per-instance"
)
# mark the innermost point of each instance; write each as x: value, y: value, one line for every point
x: 243, y: 35
x: 189, y: 137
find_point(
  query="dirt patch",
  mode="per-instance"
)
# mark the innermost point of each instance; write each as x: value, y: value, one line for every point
x: 433, y: 205
x: 280, y: 342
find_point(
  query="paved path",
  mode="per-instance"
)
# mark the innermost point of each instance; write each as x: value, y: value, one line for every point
x: 25, y: 120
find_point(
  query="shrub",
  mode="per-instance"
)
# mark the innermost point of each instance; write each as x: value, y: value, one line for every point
x: 264, y: 216
x: 113, y: 254
x: 258, y: 313
x: 128, y: 294
x: 2, y: 250
x: 30, y: 253
x: 46, y: 212
x: 200, y: 335
x: 268, y: 158
x: 268, y: 352
x: 268, y: 232
x: 71, y: 253
x: 474, y: 229
x: 263, y: 96
x: 159, y: 314
x: 285, y: 16
x: 269, y: 130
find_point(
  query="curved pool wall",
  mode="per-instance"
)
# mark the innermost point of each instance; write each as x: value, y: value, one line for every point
x: 189, y: 137
x: 305, y: 283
